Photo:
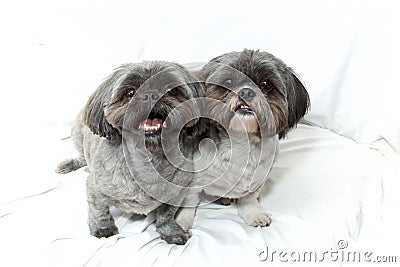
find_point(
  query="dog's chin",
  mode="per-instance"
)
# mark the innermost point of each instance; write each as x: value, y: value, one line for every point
x: 153, y: 141
x: 244, y: 119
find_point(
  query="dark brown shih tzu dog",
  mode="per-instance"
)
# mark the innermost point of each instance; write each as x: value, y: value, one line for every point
x: 119, y: 135
x: 257, y: 99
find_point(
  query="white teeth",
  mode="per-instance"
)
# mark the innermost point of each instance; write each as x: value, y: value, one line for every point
x: 152, y: 128
x: 164, y: 124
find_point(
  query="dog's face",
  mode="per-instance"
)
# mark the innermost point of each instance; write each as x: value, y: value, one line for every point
x: 259, y: 88
x: 138, y: 98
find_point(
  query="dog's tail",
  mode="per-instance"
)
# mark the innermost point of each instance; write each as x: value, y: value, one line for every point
x: 70, y: 165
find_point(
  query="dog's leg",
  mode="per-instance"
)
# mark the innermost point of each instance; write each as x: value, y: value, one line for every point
x: 250, y: 210
x: 167, y: 227
x: 101, y: 223
x: 70, y: 165
x: 185, y: 215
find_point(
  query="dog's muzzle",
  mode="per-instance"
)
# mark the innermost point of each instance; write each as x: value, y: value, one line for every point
x: 246, y: 94
x: 155, y: 121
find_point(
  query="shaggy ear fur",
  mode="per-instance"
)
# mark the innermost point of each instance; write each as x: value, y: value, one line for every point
x: 298, y: 101
x: 93, y: 114
x: 196, y: 126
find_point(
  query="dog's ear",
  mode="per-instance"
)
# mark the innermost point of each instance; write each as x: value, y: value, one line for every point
x: 298, y: 101
x: 94, y: 116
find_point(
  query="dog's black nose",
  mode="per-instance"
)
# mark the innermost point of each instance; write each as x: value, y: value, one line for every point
x: 246, y: 94
x: 150, y: 97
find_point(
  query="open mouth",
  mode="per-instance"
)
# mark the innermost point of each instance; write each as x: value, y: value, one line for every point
x: 243, y: 109
x: 153, y: 124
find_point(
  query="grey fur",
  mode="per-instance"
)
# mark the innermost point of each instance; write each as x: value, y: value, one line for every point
x: 98, y: 136
x: 288, y: 101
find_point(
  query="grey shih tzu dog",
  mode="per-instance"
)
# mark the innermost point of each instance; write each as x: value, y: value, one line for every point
x: 257, y: 99
x: 120, y: 135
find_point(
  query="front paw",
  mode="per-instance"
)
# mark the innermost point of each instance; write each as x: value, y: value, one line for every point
x: 254, y: 215
x: 104, y: 232
x: 172, y: 233
x: 179, y: 238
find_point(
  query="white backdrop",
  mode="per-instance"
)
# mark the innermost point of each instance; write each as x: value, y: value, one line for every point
x: 345, y: 51
x: 53, y: 54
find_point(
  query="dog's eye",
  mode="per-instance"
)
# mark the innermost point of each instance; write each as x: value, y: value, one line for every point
x: 267, y: 86
x: 174, y: 91
x: 130, y: 92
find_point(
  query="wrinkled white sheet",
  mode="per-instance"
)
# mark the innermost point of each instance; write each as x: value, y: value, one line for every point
x: 322, y: 189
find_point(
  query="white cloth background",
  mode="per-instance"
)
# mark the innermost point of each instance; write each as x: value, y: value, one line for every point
x: 337, y: 182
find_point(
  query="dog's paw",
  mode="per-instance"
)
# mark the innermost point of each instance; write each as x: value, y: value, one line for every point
x: 172, y: 233
x: 254, y: 215
x: 105, y: 232
x: 179, y: 239
x: 185, y: 223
